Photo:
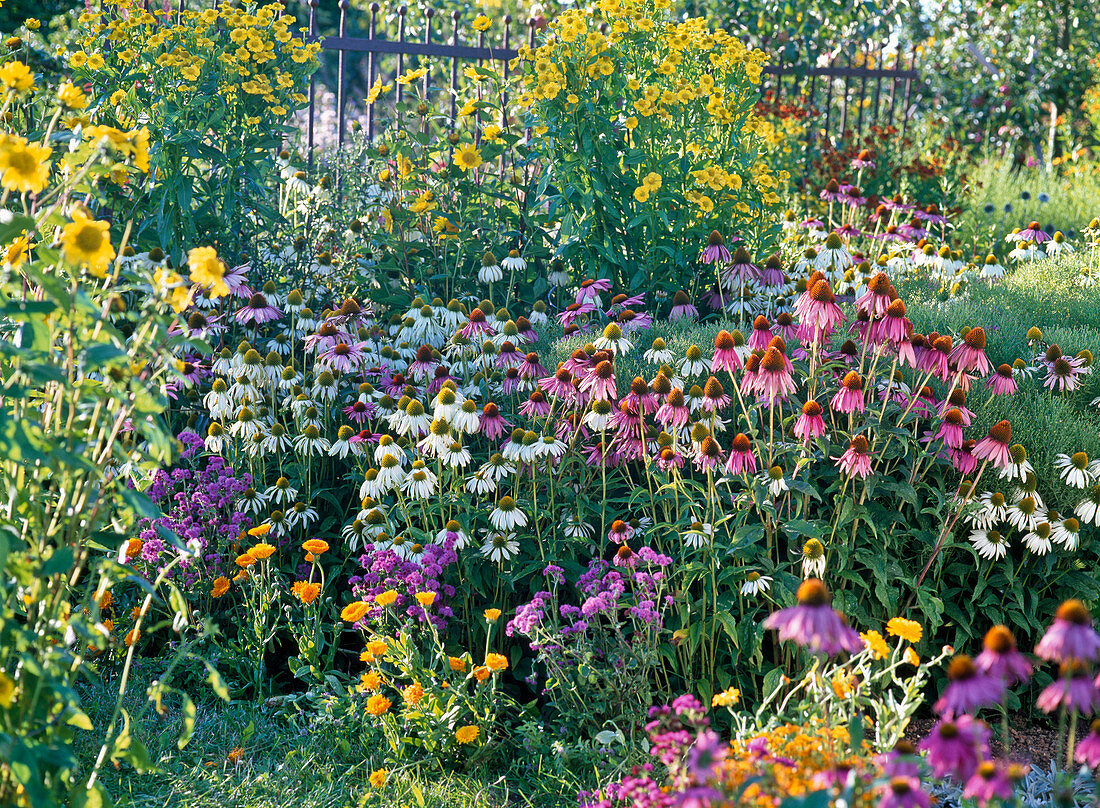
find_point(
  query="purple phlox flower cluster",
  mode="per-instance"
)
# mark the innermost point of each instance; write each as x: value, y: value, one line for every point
x: 384, y: 570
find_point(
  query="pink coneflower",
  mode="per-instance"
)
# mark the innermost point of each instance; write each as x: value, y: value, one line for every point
x: 990, y: 782
x: 951, y: 429
x: 359, y: 411
x: 742, y: 460
x: 969, y: 355
x: 716, y: 297
x: 599, y: 385
x: 682, y: 309
x: 509, y: 356
x: 913, y: 230
x: 477, y: 327
x: 771, y: 275
x: 848, y: 231
x: 578, y: 363
x: 813, y: 623
x: 741, y: 269
x: 775, y: 380
x: 957, y: 399
x: 511, y: 383
x: 1033, y: 232
x: 620, y: 532
x: 810, y: 425
x: 817, y: 312
x: 1071, y: 635
x: 761, y: 333
x: 530, y: 368
x: 968, y: 689
x: 963, y: 458
x: 1000, y: 659
x: 995, y: 446
x: 670, y: 459
x: 715, y: 249
x: 536, y: 405
x: 1074, y: 689
x: 812, y: 224
x: 590, y: 289
x: 901, y: 761
x: 599, y: 455
x: 785, y: 326
x: 639, y: 398
x: 955, y: 747
x: 751, y: 379
x: 1002, y: 382
x: 893, y: 327
x: 903, y: 792
x: 831, y: 192
x: 897, y: 202
x: 937, y: 360
x: 931, y: 213
x: 1088, y: 751
x: 1064, y: 374
x: 674, y: 413
x: 709, y: 455
x: 714, y: 396
x: 880, y: 293
x: 852, y: 197
x: 493, y: 425
x: 856, y: 462
x: 560, y: 385
x: 865, y: 159
x: 849, y: 398
x: 425, y: 363
x: 725, y: 354
x: 573, y: 311
x: 257, y: 310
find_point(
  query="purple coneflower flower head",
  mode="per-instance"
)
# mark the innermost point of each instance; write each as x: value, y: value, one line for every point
x: 999, y: 657
x: 968, y: 689
x: 771, y: 275
x: 741, y: 269
x: 865, y: 159
x: 813, y: 623
x: 810, y: 425
x: 1002, y: 382
x: 903, y: 792
x: 761, y: 333
x: 725, y: 353
x: 741, y: 459
x: 682, y: 308
x: 715, y: 249
x: 775, y: 380
x: 831, y: 192
x: 901, y: 761
x: 590, y: 289
x: 257, y: 310
x: 1071, y: 635
x: 956, y: 747
x: 1088, y: 751
x: 989, y: 782
x: 878, y: 297
x: 856, y: 461
x: 995, y: 446
x: 849, y: 398
x: 817, y: 311
x: 1074, y: 689
x: 1033, y: 232
x: 969, y: 355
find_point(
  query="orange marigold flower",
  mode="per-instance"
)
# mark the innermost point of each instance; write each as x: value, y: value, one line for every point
x: 386, y: 598
x: 911, y: 657
x: 878, y: 646
x: 235, y: 754
x: 492, y: 615
x: 908, y: 630
x: 221, y: 586
x: 378, y: 778
x: 260, y: 530
x: 354, y: 611
x: 315, y: 546
x: 371, y: 680
x: 456, y: 663
x: 245, y: 560
x: 496, y: 662
x: 378, y: 647
x: 132, y: 636
x: 378, y: 704
x: 262, y: 550
x: 307, y: 591
x: 133, y: 547
x: 242, y: 575
x: 467, y: 734
x: 413, y: 694
x: 481, y: 673
x: 425, y: 599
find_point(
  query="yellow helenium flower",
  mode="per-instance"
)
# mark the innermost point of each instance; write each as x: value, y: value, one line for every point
x: 467, y: 157
x: 207, y: 270
x: 87, y: 243
x: 482, y: 23
x: 909, y: 630
x: 72, y: 97
x: 24, y: 167
x: 16, y: 76
x: 467, y: 734
x: 17, y: 252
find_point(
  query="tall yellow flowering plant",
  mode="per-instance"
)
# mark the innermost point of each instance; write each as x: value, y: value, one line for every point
x: 649, y: 125
x: 216, y: 90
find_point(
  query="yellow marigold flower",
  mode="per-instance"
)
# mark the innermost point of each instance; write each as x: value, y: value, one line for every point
x: 72, y: 97
x: 354, y: 611
x: 492, y: 615
x: 262, y: 550
x: 242, y: 575
x: 207, y: 270
x: 726, y: 698
x: 878, y: 646
x: 908, y: 630
x: 425, y: 599
x: 386, y: 598
x: 481, y: 673
x: 7, y: 690
x: 467, y: 734
x: 315, y: 546
x: 307, y: 591
x: 234, y: 755
x: 467, y: 157
x: 221, y: 586
x: 24, y: 167
x: 259, y: 530
x: 132, y: 636
x: 378, y: 647
x: 378, y: 778
x: 911, y: 657
x: 378, y: 704
x: 457, y: 664
x: 17, y: 252
x: 496, y: 662
x: 371, y: 680
x: 482, y: 23
x: 16, y: 76
x: 245, y: 560
x: 413, y: 694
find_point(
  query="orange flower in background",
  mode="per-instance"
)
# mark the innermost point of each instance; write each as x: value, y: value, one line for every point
x: 221, y: 586
x: 492, y: 615
x: 133, y: 547
x: 496, y: 662
x: 911, y: 657
x: 413, y: 694
x: 456, y: 663
x: 726, y: 698
x: 371, y: 680
x: 132, y: 636
x: 378, y: 704
x: 481, y: 673
x: 467, y: 734
x: 242, y: 575
x: 307, y: 591
x: 235, y: 755
x: 378, y: 647
x: 262, y: 550
x: 425, y: 599
x: 245, y: 560
x: 354, y: 611
x: 378, y: 778
x: 260, y: 530
x: 315, y: 547
x: 908, y: 630
x: 386, y: 598
x: 878, y: 646
x: 106, y: 600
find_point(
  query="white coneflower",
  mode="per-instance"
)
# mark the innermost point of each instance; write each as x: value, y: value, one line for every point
x: 246, y: 424
x: 223, y: 363
x: 776, y: 482
x: 1020, y: 466
x: 398, y: 545
x: 1066, y: 532
x: 419, y: 483
x: 456, y: 456
x: 276, y: 441
x: 215, y: 437
x: 991, y: 511
x: 374, y: 520
x: 251, y: 501
x: 466, y: 419
x: 446, y: 403
x: 288, y: 380
x: 311, y: 416
x: 311, y: 442
x: 558, y: 275
x: 353, y: 533
x: 341, y: 446
x: 1029, y: 487
x: 991, y: 268
x: 833, y: 256
x: 529, y: 447
x: 989, y: 543
x: 282, y: 492
x: 481, y: 482
x: 754, y: 584
x: 301, y: 514
x: 390, y: 473
x: 612, y: 339
x: 278, y: 522
x: 218, y: 401
x: 694, y: 398
x: 700, y: 534
x: 374, y: 485
x: 324, y: 387
x: 813, y: 559
x: 1038, y: 540
x: 500, y: 547
x: 387, y: 446
x: 415, y: 421
x: 253, y: 446
x: 513, y: 261
x: 490, y: 271
x: 458, y: 535
x: 507, y: 515
x: 438, y: 439
x: 659, y: 353
x: 575, y: 528
x: 1025, y: 515
x: 243, y: 390
x: 1074, y: 469
x: 1057, y: 244
x: 1088, y: 509
x: 301, y: 403
x: 692, y: 364
x: 499, y: 467
x: 599, y: 414
x: 550, y: 446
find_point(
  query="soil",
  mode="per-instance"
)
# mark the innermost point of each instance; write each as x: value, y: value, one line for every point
x: 1031, y: 741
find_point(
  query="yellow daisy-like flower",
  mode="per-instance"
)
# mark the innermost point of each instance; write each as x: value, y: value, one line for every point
x: 425, y: 599
x: 87, y: 243
x: 245, y: 560
x: 221, y: 586
x: 641, y: 194
x: 262, y: 550
x: 24, y: 167
x: 315, y: 546
x: 496, y: 662
x: 482, y: 23
x: 467, y: 157
x: 259, y: 530
x: 354, y: 611
x: 378, y: 647
x: 878, y: 646
x: 413, y: 694
x: 908, y: 630
x: 726, y: 698
x: 492, y: 615
x: 371, y: 680
x: 467, y: 734
x: 306, y: 591
x: 458, y: 664
x: 378, y: 704
x: 207, y: 270
x: 412, y: 76
x: 72, y: 97
x: 386, y: 598
x: 16, y: 76
x: 378, y: 778
x: 17, y: 252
